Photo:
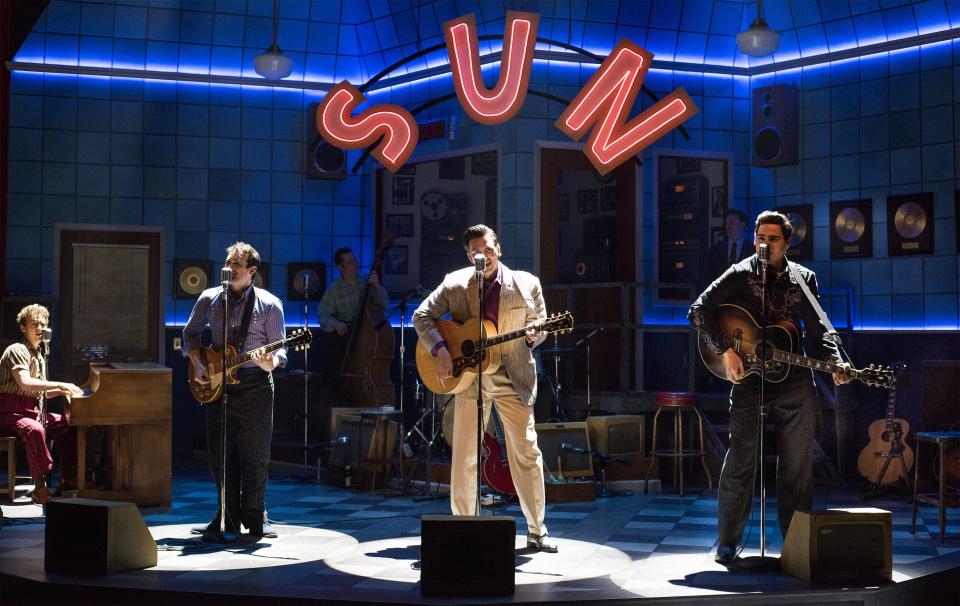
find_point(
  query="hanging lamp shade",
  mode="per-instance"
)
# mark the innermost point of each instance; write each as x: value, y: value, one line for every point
x: 273, y: 64
x: 759, y: 40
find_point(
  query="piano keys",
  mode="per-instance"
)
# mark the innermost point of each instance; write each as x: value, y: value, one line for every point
x: 133, y: 402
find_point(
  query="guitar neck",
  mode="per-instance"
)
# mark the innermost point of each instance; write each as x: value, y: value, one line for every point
x: 510, y: 336
x: 798, y: 360
x: 246, y: 357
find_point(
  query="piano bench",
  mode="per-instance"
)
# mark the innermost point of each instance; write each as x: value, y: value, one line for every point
x: 8, y: 444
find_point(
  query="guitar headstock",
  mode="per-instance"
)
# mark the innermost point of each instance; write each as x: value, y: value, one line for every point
x: 558, y: 323
x: 299, y: 339
x: 878, y: 376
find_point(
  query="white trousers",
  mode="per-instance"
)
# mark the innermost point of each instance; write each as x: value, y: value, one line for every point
x: 523, y: 454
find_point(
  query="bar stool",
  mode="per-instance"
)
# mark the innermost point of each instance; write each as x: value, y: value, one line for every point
x: 379, y: 453
x: 943, y: 440
x: 679, y: 403
x: 8, y: 444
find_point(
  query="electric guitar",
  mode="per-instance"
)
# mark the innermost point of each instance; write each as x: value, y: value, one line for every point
x: 496, y: 467
x: 777, y: 355
x: 208, y: 392
x: 887, y: 442
x: 471, y: 358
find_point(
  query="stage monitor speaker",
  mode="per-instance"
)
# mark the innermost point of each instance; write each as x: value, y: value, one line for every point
x: 776, y: 119
x: 566, y: 463
x: 840, y: 546
x: 261, y: 279
x: 851, y: 229
x: 89, y: 537
x: 324, y: 161
x: 306, y: 281
x: 801, y: 242
x: 617, y: 435
x: 910, y: 225
x: 191, y: 277
x: 467, y: 555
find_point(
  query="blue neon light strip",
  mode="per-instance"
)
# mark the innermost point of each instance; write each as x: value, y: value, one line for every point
x: 438, y: 69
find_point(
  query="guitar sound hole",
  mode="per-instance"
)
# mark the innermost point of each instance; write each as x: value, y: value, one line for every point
x: 468, y: 349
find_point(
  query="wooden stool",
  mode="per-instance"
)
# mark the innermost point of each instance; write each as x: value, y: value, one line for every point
x: 8, y: 444
x: 381, y: 445
x: 678, y: 402
x: 943, y: 440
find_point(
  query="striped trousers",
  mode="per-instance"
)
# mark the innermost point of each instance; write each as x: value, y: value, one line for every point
x: 792, y: 409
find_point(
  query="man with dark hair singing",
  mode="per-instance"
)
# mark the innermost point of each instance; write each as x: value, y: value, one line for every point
x: 512, y: 300
x: 258, y: 315
x: 791, y: 402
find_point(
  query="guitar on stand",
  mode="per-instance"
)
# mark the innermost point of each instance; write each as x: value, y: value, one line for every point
x: 496, y: 467
x: 887, y: 450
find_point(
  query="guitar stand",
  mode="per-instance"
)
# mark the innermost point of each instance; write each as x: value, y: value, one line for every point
x: 896, y: 451
x: 602, y: 460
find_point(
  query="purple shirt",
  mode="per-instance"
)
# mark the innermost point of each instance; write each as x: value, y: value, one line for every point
x: 491, y: 297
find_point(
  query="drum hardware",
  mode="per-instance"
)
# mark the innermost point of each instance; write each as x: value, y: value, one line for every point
x: 428, y: 428
x: 558, y: 416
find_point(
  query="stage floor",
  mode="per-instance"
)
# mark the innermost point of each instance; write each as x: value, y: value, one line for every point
x: 336, y: 544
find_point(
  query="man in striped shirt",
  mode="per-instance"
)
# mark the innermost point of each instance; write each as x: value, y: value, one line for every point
x: 23, y: 378
x: 249, y: 427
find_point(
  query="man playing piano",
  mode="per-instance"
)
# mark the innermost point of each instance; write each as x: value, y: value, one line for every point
x: 250, y: 406
x: 23, y: 377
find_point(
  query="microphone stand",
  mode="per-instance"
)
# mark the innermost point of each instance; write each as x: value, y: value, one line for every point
x: 44, y: 353
x: 479, y: 266
x: 586, y: 340
x: 224, y: 537
x: 305, y: 475
x: 762, y: 562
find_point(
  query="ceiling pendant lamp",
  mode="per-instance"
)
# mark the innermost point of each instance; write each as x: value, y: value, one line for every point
x: 759, y: 40
x: 273, y: 64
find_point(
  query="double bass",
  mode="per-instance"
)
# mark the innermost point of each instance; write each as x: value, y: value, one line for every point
x: 365, y: 369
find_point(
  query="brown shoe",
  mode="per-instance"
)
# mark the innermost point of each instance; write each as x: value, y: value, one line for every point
x: 42, y: 495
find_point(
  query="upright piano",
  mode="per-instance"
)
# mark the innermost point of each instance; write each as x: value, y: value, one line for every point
x: 133, y: 401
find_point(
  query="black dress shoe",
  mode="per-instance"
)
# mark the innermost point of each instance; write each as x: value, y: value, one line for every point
x: 212, y: 527
x: 542, y: 542
x: 725, y: 555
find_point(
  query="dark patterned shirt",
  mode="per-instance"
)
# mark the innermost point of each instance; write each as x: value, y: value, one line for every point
x: 15, y: 358
x: 741, y: 285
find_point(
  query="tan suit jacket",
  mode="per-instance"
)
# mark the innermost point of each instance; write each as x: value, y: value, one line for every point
x: 521, y: 304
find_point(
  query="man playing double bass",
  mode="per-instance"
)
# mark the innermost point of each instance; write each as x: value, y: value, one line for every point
x: 512, y: 300
x: 339, y: 307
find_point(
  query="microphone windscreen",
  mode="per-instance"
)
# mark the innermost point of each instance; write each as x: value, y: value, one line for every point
x: 226, y: 275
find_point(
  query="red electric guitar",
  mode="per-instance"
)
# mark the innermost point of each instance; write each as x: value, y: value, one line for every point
x: 496, y: 468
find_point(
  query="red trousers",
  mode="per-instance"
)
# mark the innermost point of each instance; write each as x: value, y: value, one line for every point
x: 25, y: 424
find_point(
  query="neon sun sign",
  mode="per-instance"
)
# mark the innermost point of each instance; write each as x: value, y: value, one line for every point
x: 602, y: 104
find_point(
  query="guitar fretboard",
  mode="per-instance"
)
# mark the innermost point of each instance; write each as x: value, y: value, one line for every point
x: 549, y: 325
x: 246, y: 357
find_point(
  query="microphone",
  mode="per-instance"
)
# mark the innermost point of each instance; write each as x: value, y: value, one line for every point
x: 572, y: 448
x: 340, y: 440
x: 763, y: 254
x: 46, y: 335
x: 226, y: 276
x: 479, y: 261
x: 588, y: 337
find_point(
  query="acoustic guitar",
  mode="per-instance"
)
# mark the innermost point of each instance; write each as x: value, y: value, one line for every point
x: 783, y: 339
x: 208, y: 392
x: 471, y: 358
x: 496, y: 467
x: 887, y: 440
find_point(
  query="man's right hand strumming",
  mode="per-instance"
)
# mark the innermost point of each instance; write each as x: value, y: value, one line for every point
x: 341, y: 328
x: 444, y: 365
x: 199, y: 371
x: 733, y: 366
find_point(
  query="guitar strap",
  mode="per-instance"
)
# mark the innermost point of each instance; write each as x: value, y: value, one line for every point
x: 245, y: 321
x: 834, y: 336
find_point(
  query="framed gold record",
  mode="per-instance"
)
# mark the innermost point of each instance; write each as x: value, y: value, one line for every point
x: 851, y: 229
x: 191, y: 277
x: 910, y: 224
x: 801, y: 242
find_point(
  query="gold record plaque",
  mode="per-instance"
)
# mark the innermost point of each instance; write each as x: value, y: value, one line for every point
x: 851, y: 229
x: 191, y: 277
x: 801, y: 242
x: 910, y: 224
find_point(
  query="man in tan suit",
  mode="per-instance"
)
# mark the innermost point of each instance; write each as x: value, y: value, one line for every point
x: 512, y: 300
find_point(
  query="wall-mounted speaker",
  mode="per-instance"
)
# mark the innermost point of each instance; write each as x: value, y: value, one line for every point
x: 90, y: 537
x: 840, y: 546
x: 191, y: 277
x: 851, y: 229
x: 910, y: 225
x: 323, y: 160
x: 801, y: 242
x: 776, y: 119
x: 467, y: 555
x: 306, y: 281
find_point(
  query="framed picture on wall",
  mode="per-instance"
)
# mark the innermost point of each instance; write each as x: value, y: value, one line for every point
x: 718, y: 201
x: 397, y: 261
x: 717, y: 235
x: 400, y: 224
x: 586, y: 201
x: 403, y: 191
